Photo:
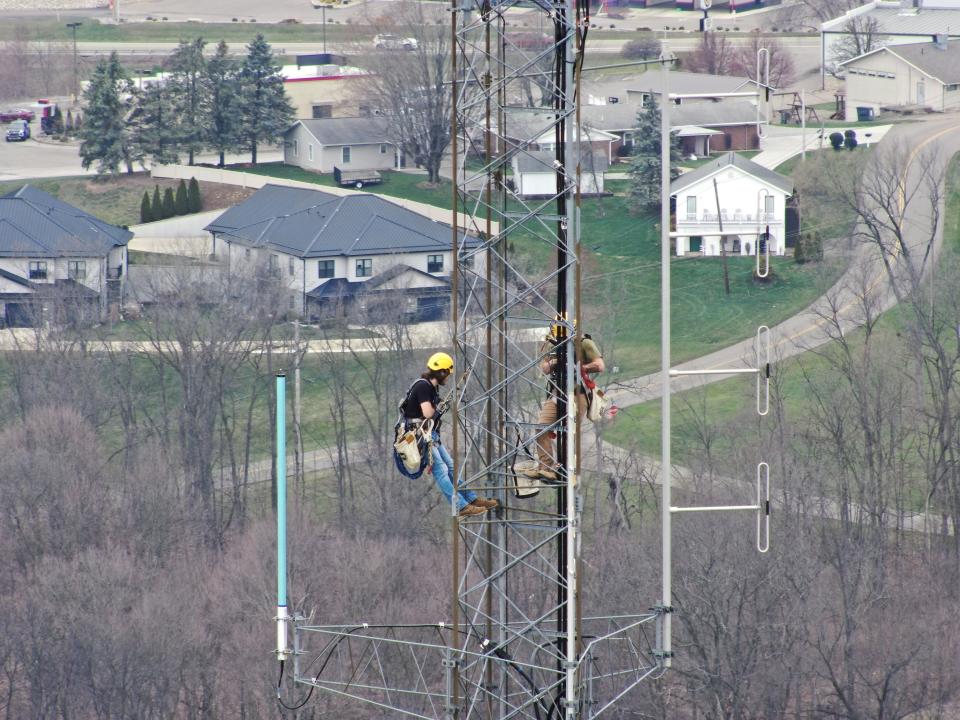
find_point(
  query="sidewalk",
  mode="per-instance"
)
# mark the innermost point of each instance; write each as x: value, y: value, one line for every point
x: 784, y: 142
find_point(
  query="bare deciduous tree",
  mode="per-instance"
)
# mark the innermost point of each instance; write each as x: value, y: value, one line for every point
x: 410, y: 88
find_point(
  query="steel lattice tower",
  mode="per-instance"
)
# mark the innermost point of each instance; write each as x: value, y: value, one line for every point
x: 520, y: 641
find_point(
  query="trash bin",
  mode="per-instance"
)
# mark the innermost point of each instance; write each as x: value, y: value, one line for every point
x: 864, y: 114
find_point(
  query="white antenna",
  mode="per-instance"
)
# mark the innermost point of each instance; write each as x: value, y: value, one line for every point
x: 763, y: 84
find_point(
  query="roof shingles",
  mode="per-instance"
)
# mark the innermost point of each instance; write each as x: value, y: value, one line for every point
x: 35, y: 224
x: 311, y: 223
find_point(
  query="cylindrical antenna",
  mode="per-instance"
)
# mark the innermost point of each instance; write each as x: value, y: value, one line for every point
x: 763, y: 86
x: 282, y: 614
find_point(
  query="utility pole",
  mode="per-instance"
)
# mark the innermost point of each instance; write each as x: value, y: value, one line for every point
x: 76, y: 84
x: 323, y: 11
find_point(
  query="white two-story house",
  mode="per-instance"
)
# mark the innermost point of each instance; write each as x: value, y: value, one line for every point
x: 734, y: 201
x: 335, y: 252
x: 55, y: 256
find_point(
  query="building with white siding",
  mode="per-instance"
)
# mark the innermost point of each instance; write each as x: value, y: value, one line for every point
x: 731, y: 195
x: 54, y: 256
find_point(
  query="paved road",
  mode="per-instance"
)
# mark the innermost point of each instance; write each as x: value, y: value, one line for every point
x: 35, y: 159
x: 805, y: 330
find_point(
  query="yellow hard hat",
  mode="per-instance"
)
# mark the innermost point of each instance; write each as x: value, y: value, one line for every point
x: 440, y: 361
x: 558, y: 328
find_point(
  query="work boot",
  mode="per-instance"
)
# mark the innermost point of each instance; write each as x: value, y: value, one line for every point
x: 468, y: 510
x: 485, y: 503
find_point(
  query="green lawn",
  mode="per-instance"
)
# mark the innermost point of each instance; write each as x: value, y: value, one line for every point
x: 638, y: 427
x: 622, y: 278
x: 116, y: 201
x: 49, y: 29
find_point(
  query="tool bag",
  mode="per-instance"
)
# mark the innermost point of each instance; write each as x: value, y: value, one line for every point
x: 597, y: 402
x: 413, y: 440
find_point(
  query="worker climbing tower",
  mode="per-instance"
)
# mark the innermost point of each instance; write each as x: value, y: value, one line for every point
x: 521, y: 639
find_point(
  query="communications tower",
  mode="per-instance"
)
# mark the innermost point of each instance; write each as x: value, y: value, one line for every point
x: 520, y: 640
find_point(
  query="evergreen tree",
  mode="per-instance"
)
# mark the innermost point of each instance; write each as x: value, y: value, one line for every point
x: 187, y: 90
x: 157, y: 204
x: 77, y: 122
x: 266, y: 109
x: 194, y: 200
x: 169, y: 208
x: 152, y: 125
x: 222, y: 106
x: 645, y: 162
x: 69, y: 126
x: 57, y: 121
x: 146, y: 213
x: 104, y: 135
x: 180, y: 206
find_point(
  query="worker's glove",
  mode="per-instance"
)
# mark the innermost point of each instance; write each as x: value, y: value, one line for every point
x: 443, y: 406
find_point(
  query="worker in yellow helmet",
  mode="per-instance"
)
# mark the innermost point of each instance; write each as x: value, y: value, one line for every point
x: 423, y: 403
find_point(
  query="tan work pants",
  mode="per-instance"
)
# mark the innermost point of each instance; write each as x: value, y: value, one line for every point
x: 548, y: 416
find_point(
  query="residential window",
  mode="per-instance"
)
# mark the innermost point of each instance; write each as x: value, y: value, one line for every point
x: 434, y: 263
x: 273, y: 262
x: 77, y: 269
x: 325, y: 269
x: 290, y: 265
x: 346, y: 155
x: 38, y: 270
x: 383, y: 148
x: 364, y: 267
x: 293, y: 302
x: 691, y: 207
x: 296, y: 148
x: 628, y: 139
x: 246, y: 253
x: 768, y: 205
x: 310, y: 151
x: 321, y: 112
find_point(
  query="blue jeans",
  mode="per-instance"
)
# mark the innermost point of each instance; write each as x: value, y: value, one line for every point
x: 443, y: 474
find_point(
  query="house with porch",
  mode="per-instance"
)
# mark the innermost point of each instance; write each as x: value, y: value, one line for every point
x: 58, y: 264
x: 337, y: 253
x: 730, y: 195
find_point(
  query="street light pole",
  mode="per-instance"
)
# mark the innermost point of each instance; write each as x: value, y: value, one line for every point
x: 323, y: 10
x: 76, y: 84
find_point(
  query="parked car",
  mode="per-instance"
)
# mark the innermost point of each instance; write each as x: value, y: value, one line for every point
x: 18, y: 131
x: 16, y: 114
x: 529, y: 40
x: 394, y: 42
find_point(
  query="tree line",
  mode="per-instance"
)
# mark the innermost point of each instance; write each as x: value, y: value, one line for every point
x: 219, y: 104
x: 186, y: 200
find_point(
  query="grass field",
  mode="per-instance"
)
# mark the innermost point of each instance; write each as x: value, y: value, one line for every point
x: 638, y: 427
x: 117, y: 200
x: 159, y: 30
x: 622, y: 278
x: 45, y: 28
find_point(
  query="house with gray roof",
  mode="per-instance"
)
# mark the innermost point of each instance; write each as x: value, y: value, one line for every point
x: 53, y: 256
x: 919, y: 77
x: 731, y: 203
x: 350, y: 144
x: 886, y: 23
x: 332, y: 251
